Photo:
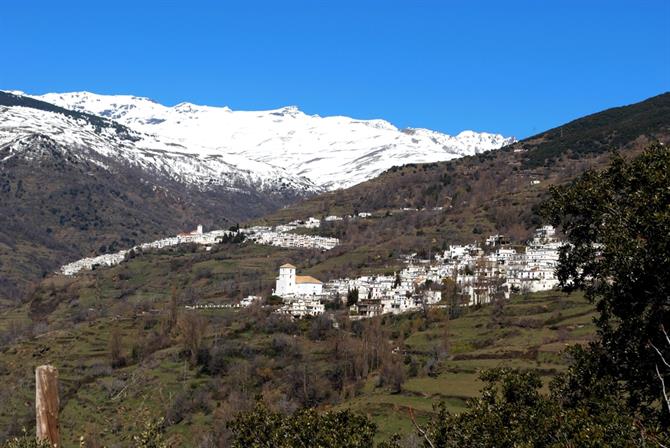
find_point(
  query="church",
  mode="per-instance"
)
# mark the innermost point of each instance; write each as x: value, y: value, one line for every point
x: 289, y: 284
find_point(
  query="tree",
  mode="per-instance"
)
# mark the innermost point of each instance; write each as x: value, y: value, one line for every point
x: 352, y: 297
x: 192, y: 328
x: 116, y: 348
x: 170, y: 320
x: 512, y: 412
x: 261, y: 427
x: 617, y: 223
x: 392, y: 375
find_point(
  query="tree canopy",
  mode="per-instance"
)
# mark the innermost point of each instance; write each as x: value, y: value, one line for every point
x: 618, y: 225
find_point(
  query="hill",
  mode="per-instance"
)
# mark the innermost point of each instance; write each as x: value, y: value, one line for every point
x: 74, y: 184
x: 246, y: 353
x: 424, y: 207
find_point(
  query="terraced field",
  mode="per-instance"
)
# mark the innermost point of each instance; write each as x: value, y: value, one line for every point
x: 112, y: 403
x: 535, y: 330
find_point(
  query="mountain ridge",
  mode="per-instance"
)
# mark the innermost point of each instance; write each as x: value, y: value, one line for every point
x: 422, y: 208
x: 333, y: 151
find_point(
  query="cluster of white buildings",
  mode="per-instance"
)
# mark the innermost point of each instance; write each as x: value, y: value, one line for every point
x: 281, y: 238
x: 302, y: 294
x: 479, y: 274
x: 91, y: 262
x: 500, y: 268
x: 306, y: 295
x: 277, y: 236
x: 282, y: 235
x: 196, y: 237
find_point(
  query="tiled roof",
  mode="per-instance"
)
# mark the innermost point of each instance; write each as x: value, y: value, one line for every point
x: 306, y: 279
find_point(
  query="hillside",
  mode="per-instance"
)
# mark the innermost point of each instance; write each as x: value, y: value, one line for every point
x: 424, y: 207
x: 248, y: 353
x: 74, y: 184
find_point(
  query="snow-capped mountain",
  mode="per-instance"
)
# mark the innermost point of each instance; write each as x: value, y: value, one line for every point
x: 74, y: 184
x: 158, y: 155
x: 332, y: 152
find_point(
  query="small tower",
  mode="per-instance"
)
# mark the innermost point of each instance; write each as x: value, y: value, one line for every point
x: 286, y: 280
x: 199, y: 230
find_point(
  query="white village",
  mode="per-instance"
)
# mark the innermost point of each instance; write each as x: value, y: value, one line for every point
x: 272, y: 236
x: 480, y: 272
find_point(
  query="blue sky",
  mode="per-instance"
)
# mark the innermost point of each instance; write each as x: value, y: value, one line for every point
x: 514, y: 67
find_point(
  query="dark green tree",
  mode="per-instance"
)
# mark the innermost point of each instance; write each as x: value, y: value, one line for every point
x: 512, y: 412
x: 352, y: 297
x: 617, y: 223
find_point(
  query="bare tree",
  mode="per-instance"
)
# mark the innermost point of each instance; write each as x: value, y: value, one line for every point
x: 192, y: 329
x: 665, y: 366
x: 116, y: 348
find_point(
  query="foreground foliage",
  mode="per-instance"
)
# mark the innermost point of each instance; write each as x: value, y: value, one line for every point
x: 513, y: 412
x: 618, y: 225
x: 306, y: 428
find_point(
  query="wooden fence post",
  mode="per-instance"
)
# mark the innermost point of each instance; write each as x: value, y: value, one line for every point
x: 46, y: 404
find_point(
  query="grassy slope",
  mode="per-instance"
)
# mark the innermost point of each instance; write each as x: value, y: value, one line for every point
x: 113, y: 402
x: 561, y: 320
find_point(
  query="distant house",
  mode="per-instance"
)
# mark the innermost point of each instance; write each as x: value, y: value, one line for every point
x: 290, y: 284
x: 250, y: 300
x: 367, y: 308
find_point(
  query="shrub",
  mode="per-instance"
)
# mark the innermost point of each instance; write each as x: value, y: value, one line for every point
x: 264, y: 428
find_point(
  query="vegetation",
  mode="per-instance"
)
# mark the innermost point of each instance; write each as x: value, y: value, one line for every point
x: 599, y: 133
x: 379, y: 368
x: 618, y: 222
x: 305, y: 429
x: 615, y: 390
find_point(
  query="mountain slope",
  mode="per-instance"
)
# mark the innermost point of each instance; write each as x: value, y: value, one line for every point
x: 333, y: 152
x: 91, y: 136
x: 73, y: 184
x: 461, y: 200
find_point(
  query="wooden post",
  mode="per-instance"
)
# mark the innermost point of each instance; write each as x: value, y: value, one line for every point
x: 46, y: 404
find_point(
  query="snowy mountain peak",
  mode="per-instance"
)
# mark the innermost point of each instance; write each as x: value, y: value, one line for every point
x: 333, y: 152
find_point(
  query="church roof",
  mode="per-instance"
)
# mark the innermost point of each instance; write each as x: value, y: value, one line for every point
x: 306, y: 279
x: 287, y: 265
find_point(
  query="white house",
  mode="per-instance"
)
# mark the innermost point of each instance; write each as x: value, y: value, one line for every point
x: 303, y: 307
x: 250, y: 300
x: 290, y: 284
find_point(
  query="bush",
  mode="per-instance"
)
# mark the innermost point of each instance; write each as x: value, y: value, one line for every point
x: 151, y: 436
x: 264, y: 428
x: 25, y: 441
